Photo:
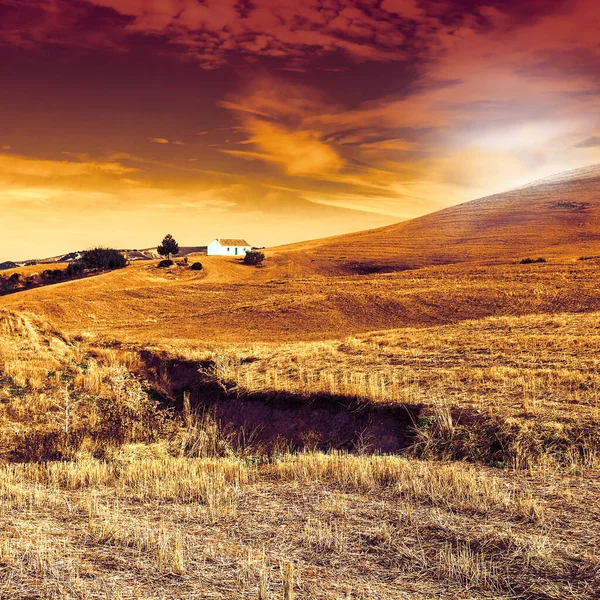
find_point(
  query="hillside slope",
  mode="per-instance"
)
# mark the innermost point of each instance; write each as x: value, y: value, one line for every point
x: 556, y: 216
x: 311, y: 291
x: 230, y: 302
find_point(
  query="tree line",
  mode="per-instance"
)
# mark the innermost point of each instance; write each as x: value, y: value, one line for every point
x: 95, y: 260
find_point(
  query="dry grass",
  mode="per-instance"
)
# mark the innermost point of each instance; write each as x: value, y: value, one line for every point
x: 523, y: 391
x: 535, y: 364
x: 57, y: 396
x: 230, y: 302
x: 303, y: 526
x: 190, y: 516
x: 147, y: 504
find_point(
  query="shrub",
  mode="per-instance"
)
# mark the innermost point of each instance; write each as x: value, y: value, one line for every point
x: 196, y: 266
x: 74, y: 269
x: 254, y: 258
x: 103, y: 258
x: 163, y: 264
x: 529, y: 261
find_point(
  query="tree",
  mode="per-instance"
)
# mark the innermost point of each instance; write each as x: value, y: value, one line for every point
x: 168, y: 246
x: 102, y: 259
x: 254, y: 258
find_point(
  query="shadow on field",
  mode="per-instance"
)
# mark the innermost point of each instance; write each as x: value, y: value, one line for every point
x: 317, y: 421
x: 274, y: 420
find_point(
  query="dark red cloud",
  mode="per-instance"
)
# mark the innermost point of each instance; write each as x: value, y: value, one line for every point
x: 297, y: 33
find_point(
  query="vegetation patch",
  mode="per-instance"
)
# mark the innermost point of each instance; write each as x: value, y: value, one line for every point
x: 254, y: 258
x: 92, y: 262
x: 570, y: 205
x: 530, y: 261
x: 372, y: 268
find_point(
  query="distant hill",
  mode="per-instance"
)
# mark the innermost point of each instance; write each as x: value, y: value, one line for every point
x: 556, y: 216
x: 71, y: 257
x: 132, y: 255
x: 151, y: 253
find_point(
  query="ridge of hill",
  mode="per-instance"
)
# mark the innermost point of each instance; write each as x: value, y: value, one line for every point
x: 554, y: 216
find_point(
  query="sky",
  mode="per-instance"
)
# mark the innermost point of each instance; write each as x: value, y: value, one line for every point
x: 280, y: 120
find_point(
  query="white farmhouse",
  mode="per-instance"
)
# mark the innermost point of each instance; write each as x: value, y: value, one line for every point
x: 226, y: 247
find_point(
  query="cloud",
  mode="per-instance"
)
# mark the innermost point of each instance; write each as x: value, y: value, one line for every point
x: 591, y: 142
x: 32, y: 23
x: 408, y: 9
x: 396, y: 106
x: 298, y: 35
x: 22, y: 166
x: 165, y: 141
x: 212, y: 31
x: 299, y: 152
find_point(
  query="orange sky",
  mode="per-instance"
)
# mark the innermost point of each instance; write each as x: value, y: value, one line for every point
x: 280, y: 120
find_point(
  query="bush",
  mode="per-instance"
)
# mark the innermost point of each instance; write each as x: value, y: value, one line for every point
x: 103, y: 258
x: 529, y: 261
x: 254, y: 258
x: 163, y: 264
x: 196, y: 266
x: 75, y: 269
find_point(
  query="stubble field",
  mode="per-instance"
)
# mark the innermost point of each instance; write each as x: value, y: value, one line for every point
x: 219, y: 436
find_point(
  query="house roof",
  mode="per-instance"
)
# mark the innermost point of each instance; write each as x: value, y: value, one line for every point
x: 232, y: 242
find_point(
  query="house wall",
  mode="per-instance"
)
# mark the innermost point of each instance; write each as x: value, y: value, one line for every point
x: 215, y: 249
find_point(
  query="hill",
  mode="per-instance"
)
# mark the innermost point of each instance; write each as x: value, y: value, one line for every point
x: 230, y: 302
x: 552, y: 217
x: 311, y: 291
x: 558, y: 216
